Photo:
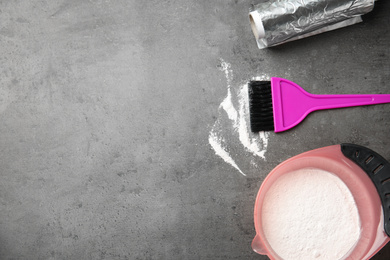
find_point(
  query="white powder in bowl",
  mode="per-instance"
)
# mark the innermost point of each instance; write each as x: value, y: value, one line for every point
x: 310, y: 214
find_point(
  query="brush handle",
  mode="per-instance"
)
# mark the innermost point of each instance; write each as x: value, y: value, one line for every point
x: 291, y: 103
x: 320, y: 102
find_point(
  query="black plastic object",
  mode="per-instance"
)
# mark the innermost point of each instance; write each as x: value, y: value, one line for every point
x: 261, y: 114
x: 378, y: 169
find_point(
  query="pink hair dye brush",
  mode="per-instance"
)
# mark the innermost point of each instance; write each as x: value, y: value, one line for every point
x: 280, y: 104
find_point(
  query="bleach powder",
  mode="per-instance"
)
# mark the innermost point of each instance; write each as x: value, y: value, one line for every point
x: 310, y: 214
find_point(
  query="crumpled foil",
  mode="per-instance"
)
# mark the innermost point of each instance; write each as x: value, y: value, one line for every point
x: 287, y: 20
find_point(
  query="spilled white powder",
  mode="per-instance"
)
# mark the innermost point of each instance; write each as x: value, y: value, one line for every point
x: 226, y: 68
x: 216, y: 143
x: 236, y: 107
x: 227, y: 105
x: 310, y: 214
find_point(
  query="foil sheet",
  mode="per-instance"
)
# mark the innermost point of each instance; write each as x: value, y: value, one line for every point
x: 287, y: 20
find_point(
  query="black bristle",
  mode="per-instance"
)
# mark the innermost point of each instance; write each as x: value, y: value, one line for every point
x: 261, y: 113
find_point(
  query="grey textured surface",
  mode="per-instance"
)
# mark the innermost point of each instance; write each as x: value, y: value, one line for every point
x: 105, y: 111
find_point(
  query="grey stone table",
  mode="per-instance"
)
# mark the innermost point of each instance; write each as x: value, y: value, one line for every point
x: 106, y: 108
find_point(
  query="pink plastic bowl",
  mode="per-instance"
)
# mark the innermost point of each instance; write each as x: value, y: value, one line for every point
x: 369, y: 204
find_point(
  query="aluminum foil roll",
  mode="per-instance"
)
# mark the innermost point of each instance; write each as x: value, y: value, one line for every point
x: 279, y: 21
